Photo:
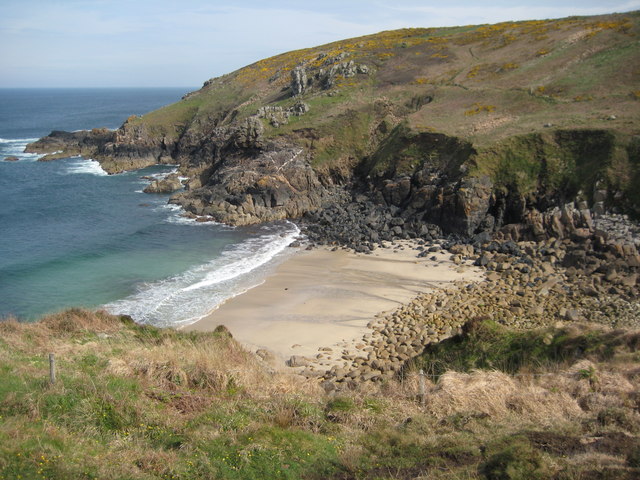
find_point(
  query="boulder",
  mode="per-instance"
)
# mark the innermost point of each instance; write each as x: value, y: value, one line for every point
x: 298, y: 361
x: 169, y: 184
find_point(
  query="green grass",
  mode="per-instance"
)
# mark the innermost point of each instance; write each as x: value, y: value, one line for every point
x: 133, y: 403
x: 558, y: 163
x: 491, y: 346
x: 406, y: 150
x: 596, y: 72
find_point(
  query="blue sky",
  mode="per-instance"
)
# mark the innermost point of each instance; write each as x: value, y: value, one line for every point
x: 120, y: 43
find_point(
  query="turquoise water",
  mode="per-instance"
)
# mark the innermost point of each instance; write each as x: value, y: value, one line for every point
x: 73, y: 236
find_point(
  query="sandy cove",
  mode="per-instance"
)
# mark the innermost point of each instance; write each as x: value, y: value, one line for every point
x: 323, y: 298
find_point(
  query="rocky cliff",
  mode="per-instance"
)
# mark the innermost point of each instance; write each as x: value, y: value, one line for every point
x: 468, y: 129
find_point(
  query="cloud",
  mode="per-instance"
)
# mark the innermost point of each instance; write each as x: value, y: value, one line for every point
x: 165, y: 42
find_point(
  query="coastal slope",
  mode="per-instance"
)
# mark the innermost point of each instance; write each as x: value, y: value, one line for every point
x: 515, y: 138
x: 466, y: 128
x: 142, y: 403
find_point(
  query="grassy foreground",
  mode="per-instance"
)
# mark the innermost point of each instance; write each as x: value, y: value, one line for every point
x: 143, y: 403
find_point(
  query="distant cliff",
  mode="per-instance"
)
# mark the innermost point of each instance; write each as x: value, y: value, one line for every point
x: 469, y: 128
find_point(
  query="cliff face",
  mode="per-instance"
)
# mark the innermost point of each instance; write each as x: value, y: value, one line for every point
x: 470, y: 128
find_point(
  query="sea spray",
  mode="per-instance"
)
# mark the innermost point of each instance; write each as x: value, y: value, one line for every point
x: 85, y: 166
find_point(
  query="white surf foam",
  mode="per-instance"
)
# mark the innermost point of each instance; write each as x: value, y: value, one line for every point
x: 159, y: 175
x: 18, y: 140
x: 186, y: 298
x: 85, y: 166
x: 177, y: 215
x: 14, y: 147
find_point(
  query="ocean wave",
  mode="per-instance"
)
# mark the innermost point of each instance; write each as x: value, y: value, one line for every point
x: 186, y: 298
x: 18, y: 140
x: 85, y: 166
x: 177, y: 215
x: 14, y: 147
x: 159, y: 175
x: 181, y: 219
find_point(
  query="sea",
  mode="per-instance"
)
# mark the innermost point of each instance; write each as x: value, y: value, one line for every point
x: 73, y: 236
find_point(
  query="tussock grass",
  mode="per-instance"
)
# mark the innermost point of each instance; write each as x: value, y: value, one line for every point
x: 138, y: 402
x: 495, y: 394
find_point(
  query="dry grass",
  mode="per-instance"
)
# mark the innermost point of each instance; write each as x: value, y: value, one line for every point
x: 138, y: 402
x: 498, y: 395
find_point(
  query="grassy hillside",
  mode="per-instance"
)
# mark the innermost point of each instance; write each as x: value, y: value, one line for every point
x: 142, y: 403
x: 524, y: 97
x: 546, y: 110
x: 483, y: 82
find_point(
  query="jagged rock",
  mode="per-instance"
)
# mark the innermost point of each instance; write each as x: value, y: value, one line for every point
x: 599, y: 196
x: 298, y: 361
x: 248, y: 135
x: 276, y: 183
x: 299, y: 81
x: 327, y: 77
x: 59, y: 144
x: 11, y: 158
x: 279, y: 116
x: 299, y: 108
x: 276, y: 115
x: 169, y: 184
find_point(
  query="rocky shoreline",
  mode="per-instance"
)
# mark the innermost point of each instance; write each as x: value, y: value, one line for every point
x: 589, y: 273
x: 568, y: 262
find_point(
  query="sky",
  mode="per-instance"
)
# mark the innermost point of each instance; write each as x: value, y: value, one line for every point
x: 182, y: 43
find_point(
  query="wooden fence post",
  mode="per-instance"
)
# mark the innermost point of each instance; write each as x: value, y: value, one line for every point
x: 422, y: 392
x: 52, y: 369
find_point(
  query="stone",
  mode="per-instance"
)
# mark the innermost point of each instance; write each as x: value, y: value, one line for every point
x: 298, y: 361
x: 572, y: 315
x: 299, y: 81
x: 169, y: 184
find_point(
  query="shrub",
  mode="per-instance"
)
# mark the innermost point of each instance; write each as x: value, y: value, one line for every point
x: 633, y: 457
x: 479, y: 108
x: 516, y: 460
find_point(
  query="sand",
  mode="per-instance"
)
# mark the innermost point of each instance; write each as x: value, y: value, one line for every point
x: 322, y: 298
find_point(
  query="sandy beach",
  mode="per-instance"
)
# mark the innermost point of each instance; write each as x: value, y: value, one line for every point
x: 323, y: 298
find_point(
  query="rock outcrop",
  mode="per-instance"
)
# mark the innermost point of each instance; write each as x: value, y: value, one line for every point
x: 299, y: 81
x: 59, y: 144
x: 169, y: 184
x: 279, y: 115
x: 304, y: 77
x: 429, y: 134
x: 273, y: 184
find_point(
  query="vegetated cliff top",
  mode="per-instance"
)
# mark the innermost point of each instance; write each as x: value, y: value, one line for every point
x: 479, y: 82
